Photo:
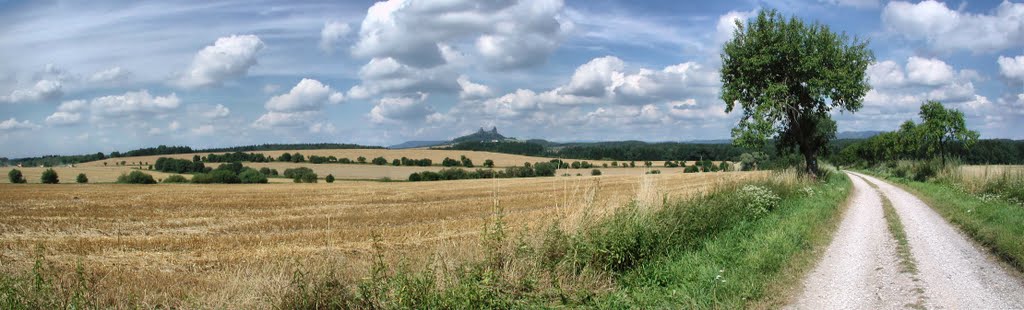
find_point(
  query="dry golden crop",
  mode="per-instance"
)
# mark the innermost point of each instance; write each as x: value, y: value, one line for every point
x: 237, y: 246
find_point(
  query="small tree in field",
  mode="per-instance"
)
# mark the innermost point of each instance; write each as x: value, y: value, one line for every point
x: 49, y: 177
x: 941, y: 126
x: 329, y: 178
x: 82, y: 178
x: 788, y: 77
x: 361, y: 160
x: 15, y: 176
x: 488, y: 163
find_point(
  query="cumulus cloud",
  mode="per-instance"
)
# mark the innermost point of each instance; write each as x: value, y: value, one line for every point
x: 68, y: 113
x: 331, y: 34
x: 928, y: 71
x: 945, y: 29
x: 1012, y: 67
x: 219, y: 111
x: 110, y: 75
x: 472, y: 91
x: 228, y: 58
x: 507, y: 34
x: 386, y: 76
x: 596, y: 78
x: 726, y: 26
x: 400, y: 109
x: 132, y: 104
x: 307, y: 95
x: 300, y: 107
x: 12, y: 124
x: 43, y: 90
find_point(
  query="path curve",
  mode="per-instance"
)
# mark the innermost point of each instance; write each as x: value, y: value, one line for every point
x: 860, y: 270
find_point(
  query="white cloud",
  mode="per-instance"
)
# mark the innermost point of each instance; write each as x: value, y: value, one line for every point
x: 307, y: 95
x: 596, y: 78
x: 472, y: 91
x: 886, y: 74
x: 132, y: 104
x: 174, y: 126
x: 322, y: 128
x: 219, y: 111
x: 109, y: 75
x: 43, y: 90
x: 945, y: 29
x: 507, y: 34
x: 1012, y: 67
x: 400, y: 109
x: 332, y: 33
x: 13, y: 124
x: 386, y: 76
x: 928, y: 71
x: 61, y: 118
x: 726, y: 26
x: 228, y: 58
x: 286, y: 119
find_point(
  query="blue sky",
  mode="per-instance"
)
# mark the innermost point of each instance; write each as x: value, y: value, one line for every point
x: 89, y: 76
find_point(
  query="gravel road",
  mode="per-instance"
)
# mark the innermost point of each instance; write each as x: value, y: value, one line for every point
x: 860, y: 268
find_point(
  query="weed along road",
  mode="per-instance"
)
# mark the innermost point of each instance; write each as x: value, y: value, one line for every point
x: 891, y: 250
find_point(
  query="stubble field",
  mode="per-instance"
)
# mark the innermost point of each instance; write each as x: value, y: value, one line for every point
x: 238, y: 246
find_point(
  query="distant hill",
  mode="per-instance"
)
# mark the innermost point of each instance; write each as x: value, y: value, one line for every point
x: 416, y: 144
x: 482, y: 136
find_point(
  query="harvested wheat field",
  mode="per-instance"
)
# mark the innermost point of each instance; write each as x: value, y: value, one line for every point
x: 238, y: 246
x: 989, y: 172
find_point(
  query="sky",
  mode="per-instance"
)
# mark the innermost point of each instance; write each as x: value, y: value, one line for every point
x: 100, y: 76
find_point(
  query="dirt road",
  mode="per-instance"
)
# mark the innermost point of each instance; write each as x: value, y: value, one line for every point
x: 861, y: 269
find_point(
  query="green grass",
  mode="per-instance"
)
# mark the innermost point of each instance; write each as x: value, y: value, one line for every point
x: 740, y: 246
x: 996, y: 224
x: 892, y: 220
x: 748, y: 264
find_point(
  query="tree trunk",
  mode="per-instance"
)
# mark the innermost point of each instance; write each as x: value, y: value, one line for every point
x: 811, y: 158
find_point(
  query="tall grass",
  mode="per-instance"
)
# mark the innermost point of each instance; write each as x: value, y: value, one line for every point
x: 651, y: 252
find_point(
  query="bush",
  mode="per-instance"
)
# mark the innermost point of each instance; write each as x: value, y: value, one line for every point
x: 691, y: 169
x: 235, y: 167
x: 329, y: 178
x: 136, y: 177
x: 251, y: 176
x: 654, y: 172
x: 15, y: 176
x: 380, y: 161
x: 293, y: 173
x: 217, y: 176
x: 448, y: 162
x: 489, y: 163
x: 308, y: 178
x: 176, y: 178
x: 82, y: 178
x: 49, y: 177
x: 466, y: 162
x: 172, y: 165
x: 595, y: 172
x: 415, y: 177
x: 361, y: 160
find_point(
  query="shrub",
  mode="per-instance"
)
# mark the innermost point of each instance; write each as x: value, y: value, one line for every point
x: 448, y: 162
x: 329, y: 178
x: 285, y: 157
x: 82, y: 178
x: 654, y: 172
x: 488, y: 163
x: 15, y: 176
x: 265, y: 171
x: 466, y: 162
x: 691, y: 169
x: 415, y: 177
x: 235, y: 167
x: 293, y: 173
x: 49, y: 177
x: 173, y: 165
x: 361, y: 160
x: 136, y: 177
x: 396, y: 162
x: 380, y: 161
x: 176, y: 178
x: 216, y: 176
x: 595, y: 172
x: 251, y: 176
x: 308, y: 178
x: 724, y: 166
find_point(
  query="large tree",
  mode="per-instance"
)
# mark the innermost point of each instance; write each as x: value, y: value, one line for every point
x: 941, y: 127
x: 788, y: 76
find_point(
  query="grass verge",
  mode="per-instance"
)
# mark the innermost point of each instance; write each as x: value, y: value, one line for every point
x: 742, y: 245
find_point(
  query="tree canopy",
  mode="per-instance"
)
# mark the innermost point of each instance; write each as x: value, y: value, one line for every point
x: 788, y: 76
